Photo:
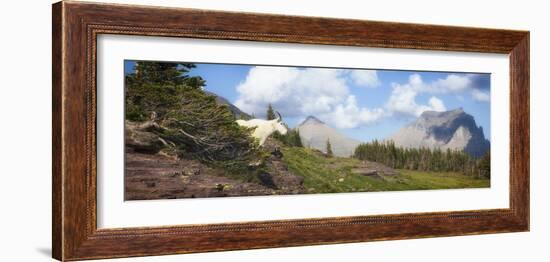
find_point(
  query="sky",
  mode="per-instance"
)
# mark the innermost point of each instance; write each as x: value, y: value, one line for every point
x: 362, y: 104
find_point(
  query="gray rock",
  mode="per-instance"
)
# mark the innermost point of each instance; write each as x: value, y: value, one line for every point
x: 373, y: 169
x: 142, y: 141
x: 455, y: 130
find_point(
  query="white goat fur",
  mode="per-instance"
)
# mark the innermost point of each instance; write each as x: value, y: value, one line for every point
x: 264, y: 128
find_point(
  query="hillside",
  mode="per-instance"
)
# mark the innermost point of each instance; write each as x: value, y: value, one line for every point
x: 154, y: 171
x: 333, y: 175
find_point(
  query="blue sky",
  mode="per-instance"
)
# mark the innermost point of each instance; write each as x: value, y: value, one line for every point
x: 363, y: 104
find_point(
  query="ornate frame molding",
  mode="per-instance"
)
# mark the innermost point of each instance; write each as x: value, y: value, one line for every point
x: 76, y: 26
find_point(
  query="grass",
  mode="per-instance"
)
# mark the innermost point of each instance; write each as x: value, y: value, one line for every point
x: 333, y: 175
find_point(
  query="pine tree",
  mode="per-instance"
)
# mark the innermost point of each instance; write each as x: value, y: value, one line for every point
x: 329, y: 149
x: 423, y: 159
x: 484, y: 165
x: 270, y: 113
x: 154, y: 88
x: 189, y: 119
x: 298, y: 139
x: 165, y: 73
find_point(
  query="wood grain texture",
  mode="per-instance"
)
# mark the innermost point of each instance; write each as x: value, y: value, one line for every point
x: 57, y: 195
x: 76, y: 26
x: 519, y: 129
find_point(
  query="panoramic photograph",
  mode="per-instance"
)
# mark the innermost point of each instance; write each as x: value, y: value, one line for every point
x: 199, y: 130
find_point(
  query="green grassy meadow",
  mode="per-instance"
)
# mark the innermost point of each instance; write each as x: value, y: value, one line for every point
x: 333, y: 175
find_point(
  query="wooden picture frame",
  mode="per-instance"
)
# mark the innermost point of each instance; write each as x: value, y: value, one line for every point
x: 76, y: 26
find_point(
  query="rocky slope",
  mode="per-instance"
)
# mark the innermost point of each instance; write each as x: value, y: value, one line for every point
x: 453, y: 129
x: 152, y: 171
x: 314, y: 133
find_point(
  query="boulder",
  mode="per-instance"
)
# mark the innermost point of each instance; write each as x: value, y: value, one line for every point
x: 373, y: 169
x: 138, y: 139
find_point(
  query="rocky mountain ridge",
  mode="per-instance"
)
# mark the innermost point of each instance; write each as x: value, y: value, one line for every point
x: 454, y: 129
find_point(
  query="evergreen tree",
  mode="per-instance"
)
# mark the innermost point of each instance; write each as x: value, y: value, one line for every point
x: 291, y: 138
x: 298, y: 139
x: 270, y: 113
x: 187, y: 118
x: 165, y: 73
x: 423, y: 159
x: 484, y: 165
x: 329, y: 149
x: 154, y: 87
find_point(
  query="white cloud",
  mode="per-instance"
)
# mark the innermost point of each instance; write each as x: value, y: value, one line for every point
x: 480, y: 95
x: 403, y: 98
x: 367, y: 78
x: 452, y: 83
x: 416, y: 80
x: 293, y: 91
x: 456, y: 84
x: 299, y: 92
x: 436, y: 104
x: 350, y: 115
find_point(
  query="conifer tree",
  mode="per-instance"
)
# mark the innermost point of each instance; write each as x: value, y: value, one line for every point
x: 190, y: 120
x: 423, y: 159
x: 484, y: 165
x: 329, y: 149
x: 270, y: 113
x: 298, y: 139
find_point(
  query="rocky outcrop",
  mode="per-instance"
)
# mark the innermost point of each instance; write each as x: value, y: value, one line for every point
x: 453, y: 129
x: 276, y: 174
x: 373, y: 169
x: 139, y: 138
x: 151, y: 173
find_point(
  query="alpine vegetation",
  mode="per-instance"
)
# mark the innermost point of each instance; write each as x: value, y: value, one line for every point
x: 197, y: 130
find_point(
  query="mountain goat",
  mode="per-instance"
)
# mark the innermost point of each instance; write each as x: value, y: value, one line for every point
x: 264, y: 128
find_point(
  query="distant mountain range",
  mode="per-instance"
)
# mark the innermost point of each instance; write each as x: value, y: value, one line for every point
x: 315, y: 133
x: 453, y: 129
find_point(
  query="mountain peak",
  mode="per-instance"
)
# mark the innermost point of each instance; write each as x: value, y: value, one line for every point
x: 314, y: 133
x: 454, y: 129
x: 312, y: 120
x: 448, y: 114
x: 430, y: 119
